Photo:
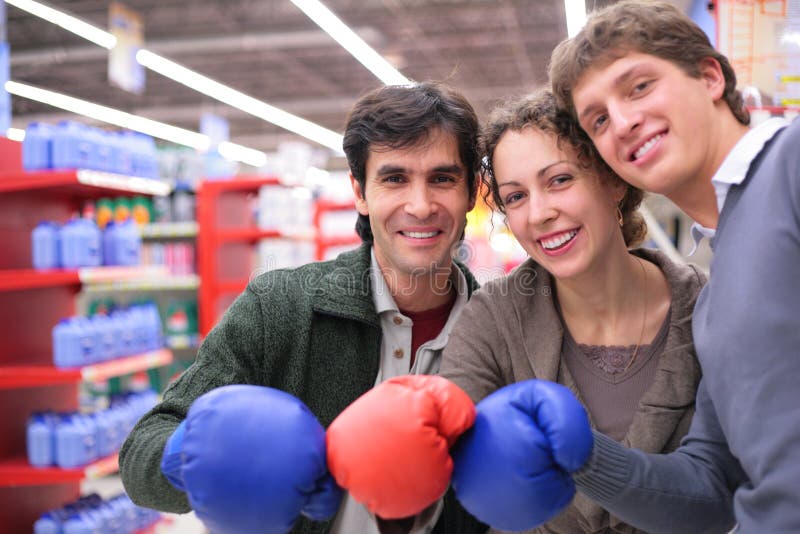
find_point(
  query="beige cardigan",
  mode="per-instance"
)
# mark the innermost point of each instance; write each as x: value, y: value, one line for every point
x: 510, y: 331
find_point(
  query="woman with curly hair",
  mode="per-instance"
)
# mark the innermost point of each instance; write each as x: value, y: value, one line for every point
x: 587, y: 310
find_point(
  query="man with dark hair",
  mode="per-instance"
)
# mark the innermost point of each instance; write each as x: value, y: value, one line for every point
x: 325, y: 333
x: 661, y: 106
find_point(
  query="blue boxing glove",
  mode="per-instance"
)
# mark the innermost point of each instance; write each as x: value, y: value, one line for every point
x: 512, y: 469
x: 251, y: 459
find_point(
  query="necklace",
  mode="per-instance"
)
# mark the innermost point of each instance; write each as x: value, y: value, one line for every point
x: 644, y: 315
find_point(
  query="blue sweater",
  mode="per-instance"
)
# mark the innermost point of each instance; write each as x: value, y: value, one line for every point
x: 740, y: 462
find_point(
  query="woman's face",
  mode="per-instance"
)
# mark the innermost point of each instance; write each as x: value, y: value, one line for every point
x: 563, y: 216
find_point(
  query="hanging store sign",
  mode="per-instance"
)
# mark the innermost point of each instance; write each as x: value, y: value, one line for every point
x: 123, y: 69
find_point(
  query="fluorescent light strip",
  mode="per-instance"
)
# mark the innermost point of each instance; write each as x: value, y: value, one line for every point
x: 576, y: 16
x: 235, y: 152
x: 193, y: 80
x: 161, y: 130
x: 351, y: 42
x: 239, y: 100
x: 68, y: 22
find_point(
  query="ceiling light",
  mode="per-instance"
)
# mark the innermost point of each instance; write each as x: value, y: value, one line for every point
x: 234, y: 152
x: 109, y: 115
x: 68, y: 22
x: 239, y: 100
x: 122, y: 119
x: 351, y: 42
x: 191, y: 79
x: 576, y: 16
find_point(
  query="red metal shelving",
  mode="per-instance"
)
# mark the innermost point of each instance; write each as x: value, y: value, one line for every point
x: 21, y: 279
x: 20, y: 376
x: 18, y: 472
x: 80, y: 182
x: 31, y: 302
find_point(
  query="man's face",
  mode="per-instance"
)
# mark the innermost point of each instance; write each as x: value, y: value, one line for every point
x: 417, y: 199
x: 653, y: 124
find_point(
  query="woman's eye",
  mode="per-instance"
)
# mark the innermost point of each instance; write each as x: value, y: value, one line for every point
x: 513, y: 197
x: 599, y: 122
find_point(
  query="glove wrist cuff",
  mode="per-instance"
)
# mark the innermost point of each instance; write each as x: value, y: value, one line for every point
x: 606, y: 472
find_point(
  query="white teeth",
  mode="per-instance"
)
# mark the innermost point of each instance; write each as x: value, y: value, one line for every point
x: 556, y: 242
x: 645, y: 148
x: 420, y: 235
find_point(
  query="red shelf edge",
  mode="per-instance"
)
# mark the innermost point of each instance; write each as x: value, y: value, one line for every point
x: 18, y: 472
x: 247, y: 234
x: 14, y: 377
x: 238, y: 184
x: 20, y: 279
x: 25, y: 181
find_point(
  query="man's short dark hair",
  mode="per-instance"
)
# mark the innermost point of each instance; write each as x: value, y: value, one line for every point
x: 404, y: 116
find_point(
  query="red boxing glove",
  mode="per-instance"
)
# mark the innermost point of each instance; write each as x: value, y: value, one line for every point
x: 391, y: 448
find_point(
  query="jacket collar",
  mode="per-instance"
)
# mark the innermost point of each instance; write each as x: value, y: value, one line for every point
x: 345, y: 289
x: 673, y: 390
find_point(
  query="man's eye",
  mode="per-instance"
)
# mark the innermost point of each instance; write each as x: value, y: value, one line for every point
x: 443, y: 178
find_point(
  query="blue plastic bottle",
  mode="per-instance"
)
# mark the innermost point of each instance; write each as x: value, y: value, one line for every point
x: 75, y: 441
x: 122, y: 243
x: 73, y: 147
x: 44, y: 245
x: 69, y: 442
x: 91, y: 248
x: 103, y: 156
x: 49, y: 523
x: 107, y: 345
x: 40, y: 439
x: 37, y: 147
x: 67, y: 349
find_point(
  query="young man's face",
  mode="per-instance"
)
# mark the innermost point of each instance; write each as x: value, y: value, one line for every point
x: 655, y: 125
x: 417, y: 199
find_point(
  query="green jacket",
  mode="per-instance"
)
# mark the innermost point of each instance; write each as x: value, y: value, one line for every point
x: 311, y: 331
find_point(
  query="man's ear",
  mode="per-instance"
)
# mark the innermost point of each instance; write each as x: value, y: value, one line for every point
x: 711, y: 74
x: 361, y: 201
x: 475, y: 192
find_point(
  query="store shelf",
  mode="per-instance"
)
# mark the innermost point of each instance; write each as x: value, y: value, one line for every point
x: 183, y: 341
x: 165, y: 282
x: 240, y: 183
x: 81, y: 182
x: 21, y: 279
x: 340, y: 241
x: 12, y: 377
x: 247, y: 234
x: 166, y: 230
x: 232, y: 286
x: 18, y: 472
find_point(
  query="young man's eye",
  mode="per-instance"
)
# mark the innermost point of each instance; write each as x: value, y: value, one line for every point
x: 443, y: 178
x: 561, y: 179
x: 641, y: 86
x: 393, y: 178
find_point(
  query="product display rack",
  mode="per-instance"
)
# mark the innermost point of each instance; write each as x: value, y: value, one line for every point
x: 227, y: 233
x: 31, y: 303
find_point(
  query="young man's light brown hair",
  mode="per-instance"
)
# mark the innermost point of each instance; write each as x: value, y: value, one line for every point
x: 654, y: 28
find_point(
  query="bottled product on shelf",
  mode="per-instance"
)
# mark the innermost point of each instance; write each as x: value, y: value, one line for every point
x: 90, y: 514
x: 74, y: 439
x: 32, y: 302
x: 72, y: 145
